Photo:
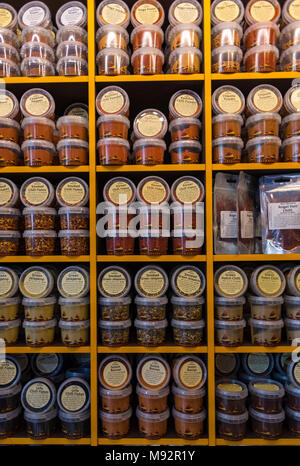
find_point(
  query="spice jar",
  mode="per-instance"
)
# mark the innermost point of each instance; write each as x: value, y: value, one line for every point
x: 113, y: 151
x: 189, y: 282
x: 153, y: 426
x: 230, y: 333
x: 292, y: 307
x: 264, y: 98
x: 115, y: 308
x: 292, y: 330
x: 147, y: 60
x: 265, y: 333
x: 187, y: 242
x: 266, y: 396
x: 73, y: 152
x: 152, y: 401
x: 71, y: 13
x: 151, y: 309
x: 112, y: 100
x: 188, y: 333
x: 185, y: 60
x: 226, y: 59
x: 39, y: 309
x: 263, y: 149
x: 114, y: 282
x: 187, y: 308
x: 9, y: 243
x: 119, y: 242
x: 72, y: 66
x: 291, y: 126
x: 39, y: 218
x: 293, y: 420
x: 185, y: 12
x: 38, y: 128
x: 184, y: 35
x: 290, y: 148
x: 261, y: 59
x: 229, y: 308
x: 112, y: 365
x: 290, y: 35
x: 72, y: 49
x: 264, y: 308
x: 10, y: 154
x: 74, y: 218
x: 9, y: 423
x: 150, y: 123
x: 119, y: 191
x: 74, y: 333
x: 36, y: 282
x: 150, y: 333
x: 9, y: 281
x: 33, y: 67
x: 187, y: 190
x: 116, y: 12
x: 37, y: 103
x: 230, y: 281
x: 185, y: 151
x: 74, y: 309
x: 112, y: 36
x: 231, y: 426
x: 119, y: 218
x: 293, y: 397
x: 153, y: 190
x: 188, y: 401
x: 8, y: 37
x: 114, y: 333
x: 9, y: 193
x: 115, y: 426
x: 151, y: 281
x: 227, y: 149
x: 185, y: 103
x: 9, y: 218
x: 40, y: 426
x: 9, y: 17
x: 189, y: 372
x: 231, y: 396
x: 74, y: 242
x: 34, y: 13
x: 185, y: 129
x: 227, y: 125
x: 73, y: 127
x: 262, y: 33
x: 257, y: 12
x: 149, y: 151
x: 9, y: 105
x: 10, y: 398
x: 37, y: 50
x: 228, y: 99
x: 113, y: 126
x: 37, y: 34
x: 226, y: 33
x: 38, y: 153
x: 71, y: 33
x: 154, y: 218
x: 8, y: 69
x: 8, y: 52
x: 9, y: 309
x: 189, y: 426
x: 39, y: 242
x: 147, y: 35
x: 73, y: 282
x: 39, y: 334
x: 153, y: 373
x: 153, y: 242
x: 112, y: 62
x: 74, y: 395
x: 263, y: 124
x: 9, y: 331
x: 147, y: 12
x: 115, y: 401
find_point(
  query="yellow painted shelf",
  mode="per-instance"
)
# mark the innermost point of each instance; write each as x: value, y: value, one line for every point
x: 48, y: 169
x: 16, y: 259
x: 153, y: 168
x: 142, y: 258
x: 255, y: 349
x: 46, y: 80
x: 158, y: 349
x: 149, y: 78
x: 57, y: 348
x: 253, y: 76
x: 257, y: 166
x: 161, y: 441
x: 48, y: 441
x: 256, y: 257
x: 260, y: 442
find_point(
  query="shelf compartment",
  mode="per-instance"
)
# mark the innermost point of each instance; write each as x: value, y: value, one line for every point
x: 142, y: 258
x: 152, y: 168
x: 16, y: 259
x: 256, y: 257
x: 255, y: 349
x: 253, y: 76
x: 150, y: 78
x: 162, y: 441
x: 157, y: 349
x: 19, y: 349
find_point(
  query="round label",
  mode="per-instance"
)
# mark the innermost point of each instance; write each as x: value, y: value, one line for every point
x: 112, y: 13
x: 120, y: 193
x: 115, y: 374
x: 230, y: 387
x: 149, y: 125
x: 153, y: 373
x: 186, y: 105
x: 72, y: 192
x: 230, y: 102
x: 188, y: 192
x: 190, y: 374
x: 6, y: 283
x: 38, y: 395
x: 294, y: 10
x: 6, y: 193
x: 258, y: 363
x: 6, y: 105
x: 78, y: 111
x: 271, y: 387
x: 113, y: 283
x: 147, y: 14
x: 227, y: 11
x: 37, y: 104
x: 265, y: 100
x: 35, y: 283
x: 188, y: 282
x: 8, y: 372
x: 71, y: 16
x: 33, y: 16
x: 154, y: 192
x: 73, y: 283
x: 112, y: 102
x: 225, y: 363
x: 47, y: 363
x: 231, y: 283
x: 5, y: 17
x: 151, y: 282
x: 295, y: 99
x: 36, y: 193
x: 186, y: 12
x: 262, y: 11
x: 269, y: 282
x: 73, y: 398
x: 296, y: 373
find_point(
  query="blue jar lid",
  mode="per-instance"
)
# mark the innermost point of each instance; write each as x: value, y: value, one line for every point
x: 258, y: 364
x: 10, y: 371
x: 83, y: 372
x: 46, y: 364
x: 38, y: 395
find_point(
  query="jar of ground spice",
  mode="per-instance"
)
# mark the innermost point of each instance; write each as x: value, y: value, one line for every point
x: 73, y: 127
x: 113, y: 151
x: 34, y: 13
x: 36, y: 192
x: 72, y: 66
x: 37, y: 103
x: 72, y: 49
x: 264, y: 98
x: 71, y: 33
x: 183, y: 152
x: 37, y: 34
x: 38, y: 50
x: 39, y: 242
x: 184, y: 35
x: 224, y: 10
x: 226, y: 59
x: 38, y: 153
x: 9, y: 105
x: 227, y: 125
x: 187, y: 190
x: 10, y: 154
x: 147, y: 35
x: 113, y: 126
x: 290, y: 35
x: 185, y: 60
x: 112, y: 100
x: 73, y: 282
x: 291, y: 125
x: 115, y: 426
x: 226, y: 34
x: 38, y: 128
x: 153, y: 242
x: 187, y: 242
x: 112, y: 62
x: 262, y: 33
x: 149, y: 151
x: 263, y: 124
x: 185, y: 103
x: 8, y: 69
x: 34, y: 67
x: 147, y: 12
x: 150, y: 123
x: 39, y: 218
x: 74, y: 242
x: 113, y: 12
x: 8, y: 37
x: 9, y: 130
x: 71, y: 14
x: 261, y: 59
x: 9, y: 218
x: 74, y: 218
x: 263, y: 149
x: 9, y: 193
x: 112, y: 36
x: 258, y: 12
x: 291, y: 149
x: 73, y: 152
x: 9, y: 17
x: 72, y: 191
x: 185, y: 129
x: 119, y: 191
x: 227, y: 150
x: 228, y: 99
x: 10, y: 53
x: 153, y: 190
x: 114, y: 333
x: 185, y: 12
x: 119, y: 243
x: 147, y: 61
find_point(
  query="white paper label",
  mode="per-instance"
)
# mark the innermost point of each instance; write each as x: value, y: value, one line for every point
x: 247, y: 224
x: 112, y: 13
x: 33, y: 16
x: 284, y: 215
x: 71, y: 16
x: 229, y: 224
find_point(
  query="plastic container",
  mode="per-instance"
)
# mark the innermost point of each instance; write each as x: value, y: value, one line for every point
x: 113, y: 126
x: 38, y: 396
x: 9, y: 281
x: 150, y: 333
x: 227, y: 365
x: 153, y: 373
x: 119, y: 243
x: 226, y: 33
x: 71, y: 33
x: 262, y: 33
x: 150, y: 123
x: 153, y: 190
x: 37, y: 50
x: 9, y: 105
x: 46, y: 364
x: 145, y: 36
x: 38, y: 128
x: 114, y: 333
x: 187, y: 308
x: 73, y: 282
x: 187, y: 242
x: 112, y: 100
x: 39, y: 242
x: 268, y: 281
x: 74, y: 309
x: 153, y: 242
x: 115, y: 309
x: 292, y: 307
x: 227, y: 125
x: 112, y: 36
x: 119, y: 191
x: 291, y: 129
x: 37, y: 34
x: 113, y: 151
x: 292, y: 327
x: 39, y: 309
x: 115, y: 372
x: 37, y: 103
x: 188, y: 282
x: 36, y: 282
x: 8, y: 17
x: 266, y: 333
x: 34, y: 67
x: 75, y: 426
x: 8, y: 69
x: 185, y: 103
x: 290, y: 12
x: 187, y: 190
x: 37, y: 192
x: 230, y: 333
x: 263, y: 124
x: 114, y: 282
x: 72, y: 192
x: 113, y: 13
x: 115, y: 426
x: 229, y: 309
x: 222, y: 11
x: 9, y: 219
x: 185, y: 60
x: 228, y: 99
x: 71, y: 14
x: 34, y: 13
x: 112, y: 62
x: 9, y: 243
x: 38, y: 153
x: 264, y: 98
x: 189, y: 372
x: 153, y: 426
x: 74, y: 396
x: 73, y: 127
x: 9, y: 423
x: 147, y: 60
x: 290, y: 35
x: 72, y: 49
x: 293, y: 420
x: 149, y: 151
x: 188, y: 333
x: 152, y: 401
x: 265, y: 308
x: 74, y: 218
x: 185, y: 129
x: 184, y: 35
x: 256, y: 12
x: 72, y: 66
x: 263, y: 149
x: 230, y: 281
x: 9, y: 309
x: 293, y: 397
x: 74, y: 333
x: 38, y: 334
x: 40, y: 426
x: 151, y: 309
x: 226, y: 59
x: 189, y: 426
x: 9, y: 398
x: 147, y: 12
x: 227, y: 150
x: 289, y: 60
x: 8, y: 52
x: 10, y: 372
x: 73, y: 152
x: 290, y: 149
x: 231, y: 426
x: 267, y: 426
x: 115, y: 401
x: 258, y: 365
x: 188, y: 401
x: 151, y: 281
x: 231, y: 396
x: 261, y: 59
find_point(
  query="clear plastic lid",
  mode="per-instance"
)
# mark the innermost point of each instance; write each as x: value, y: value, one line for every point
x: 228, y: 99
x: 230, y: 325
x: 113, y: 141
x: 266, y: 324
x: 189, y: 145
x: 153, y: 190
x: 74, y: 143
x: 290, y: 12
x: 37, y: 121
x: 189, y: 418
x: 292, y: 323
x: 148, y: 142
x: 10, y: 391
x: 185, y: 103
x: 188, y: 325
x: 9, y: 105
x: 119, y: 191
x: 147, y: 12
x: 40, y: 233
x: 113, y: 31
x: 186, y: 301
x: 146, y: 393
x: 40, y: 48
x: 36, y: 33
x: 36, y: 282
x: 29, y: 61
x: 264, y: 98
x: 37, y: 102
x: 230, y: 281
x: 222, y: 301
x: 153, y: 372
x: 228, y: 141
x: 184, y: 121
x: 147, y: 51
x: 187, y: 190
x: 112, y: 100
x: 10, y: 234
x: 151, y: 281
x: 9, y: 281
x: 74, y: 395
x: 264, y: 300
x: 67, y: 61
x: 267, y: 418
x: 66, y: 325
x: 72, y: 120
x: 262, y: 49
x: 72, y: 192
x: 153, y: 417
x: 231, y: 26
x: 183, y: 29
x: 116, y: 325
x: 37, y: 302
x: 114, y: 301
x: 267, y: 280
x: 71, y: 33
x: 10, y: 370
x: 40, y: 417
x: 147, y: 29
x: 73, y: 282
x: 292, y: 99
x: 114, y: 282
x: 123, y: 393
x: 74, y: 211
x: 189, y: 372
x: 224, y: 11
x: 39, y: 325
x: 119, y: 417
x: 290, y: 300
x: 76, y: 233
x: 231, y: 389
x: 113, y: 12
x: 188, y: 393
x: 115, y: 372
x: 71, y: 14
x: 30, y: 144
x: 160, y: 324
x: 39, y: 210
x: 258, y: 11
x: 71, y: 49
x: 113, y: 118
x: 229, y: 117
x: 38, y: 395
x: 185, y: 12
x: 8, y: 17
x: 5, y: 417
x: 232, y: 418
x: 266, y: 388
x: 113, y: 51
x: 261, y: 26
x: 34, y: 13
x: 259, y: 117
x: 77, y: 109
x: 150, y: 123
x: 262, y: 140
x: 74, y: 301
x: 173, y: 57
x: 141, y: 301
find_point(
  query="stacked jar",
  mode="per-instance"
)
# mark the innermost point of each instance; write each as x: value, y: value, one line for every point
x: 289, y: 37
x: 184, y: 37
x: 147, y: 37
x: 185, y: 106
x: 227, y: 34
x: 228, y: 104
x: 73, y: 147
x: 189, y: 375
x: 10, y: 389
x: 263, y: 105
x: 292, y: 303
x: 187, y: 194
x: 114, y: 285
x: 188, y: 284
x: 231, y: 284
x: 72, y: 51
x: 72, y: 194
x: 73, y: 284
x: 10, y: 153
x: 37, y: 40
x: 112, y: 105
x: 9, y: 43
x: 9, y: 238
x: 291, y: 125
x: 112, y: 38
x: 9, y: 306
x: 36, y: 285
x: 150, y: 127
x: 292, y: 390
x: 115, y: 375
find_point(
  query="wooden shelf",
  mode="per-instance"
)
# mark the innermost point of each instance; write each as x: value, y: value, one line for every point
x: 48, y: 169
x: 260, y: 442
x: 255, y: 349
x: 56, y: 348
x: 253, y: 76
x: 16, y: 259
x: 161, y: 441
x: 149, y: 78
x: 256, y: 257
x: 158, y: 349
x: 46, y: 80
x: 153, y: 168
x: 142, y: 258
x: 257, y: 166
x: 47, y: 441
